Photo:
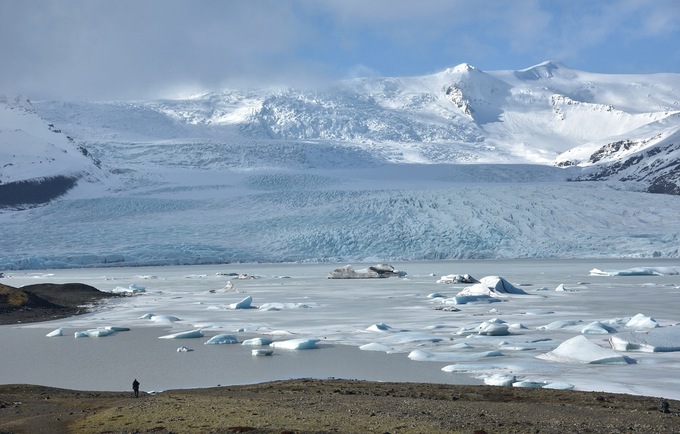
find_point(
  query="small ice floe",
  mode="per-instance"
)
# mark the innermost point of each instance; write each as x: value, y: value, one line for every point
x: 561, y: 325
x: 435, y: 295
x: 373, y: 272
x: 245, y: 276
x: 529, y: 384
x: 493, y: 286
x: 164, y: 319
x: 374, y: 346
x: 492, y: 327
x: 560, y: 288
x: 559, y: 385
x: 379, y: 327
x: 457, y: 278
x: 581, y: 350
x: 184, y: 335
x: 228, y: 287
x: 130, y: 290
x: 262, y: 342
x: 246, y: 303
x: 296, y: 344
x: 597, y: 328
x: 422, y: 355
x: 222, y: 339
x: 504, y: 380
x: 638, y: 271
x: 183, y: 350
x: 466, y: 299
x: 657, y: 340
x: 262, y: 352
x: 284, y: 306
x: 642, y: 322
x: 94, y: 333
x: 55, y: 333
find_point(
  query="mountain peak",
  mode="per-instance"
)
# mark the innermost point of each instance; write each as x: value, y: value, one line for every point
x: 463, y: 67
x: 547, y: 69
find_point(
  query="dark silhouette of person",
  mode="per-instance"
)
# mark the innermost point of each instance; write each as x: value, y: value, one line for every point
x: 664, y: 407
x: 135, y: 388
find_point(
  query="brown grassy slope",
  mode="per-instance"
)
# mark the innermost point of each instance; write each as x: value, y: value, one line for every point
x: 315, y: 406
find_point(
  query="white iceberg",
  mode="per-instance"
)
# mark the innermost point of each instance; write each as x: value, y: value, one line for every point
x: 597, y: 328
x: 129, y: 290
x: 638, y: 271
x: 184, y: 335
x: 296, y: 344
x: 246, y: 303
x: 262, y: 342
x: 222, y: 339
x: 505, y: 380
x: 183, y: 350
x: 581, y: 350
x: 642, y: 322
x: 262, y: 352
x: 94, y: 333
x: 55, y: 333
x: 379, y: 327
x: 457, y: 278
x: 657, y: 340
x: 493, y: 286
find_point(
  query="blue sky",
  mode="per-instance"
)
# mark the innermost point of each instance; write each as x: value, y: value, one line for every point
x: 121, y: 49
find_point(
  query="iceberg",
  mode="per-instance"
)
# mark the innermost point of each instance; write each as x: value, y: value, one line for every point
x: 642, y: 322
x: 638, y: 271
x: 222, y: 339
x: 94, y: 333
x: 296, y: 344
x: 373, y: 272
x: 491, y: 286
x: 184, y: 335
x: 657, y: 340
x: 246, y: 303
x: 581, y: 350
x: 55, y: 333
x: 257, y: 342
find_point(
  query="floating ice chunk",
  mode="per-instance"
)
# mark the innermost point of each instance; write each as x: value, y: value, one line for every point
x: 93, y: 333
x: 493, y: 327
x: 657, y: 340
x: 380, y: 327
x: 638, y: 271
x: 375, y: 271
x: 164, y: 318
x: 228, y: 287
x: 435, y: 295
x: 465, y: 299
x: 493, y: 286
x: 262, y: 352
x: 505, y: 380
x: 581, y: 350
x: 131, y: 289
x: 559, y: 385
x: 246, y: 303
x: 222, y: 339
x: 641, y: 322
x: 597, y: 328
x: 55, y: 333
x: 183, y: 350
x: 373, y: 346
x: 147, y: 316
x: 184, y: 335
x: 559, y: 325
x: 457, y: 278
x: 283, y: 306
x: 263, y: 342
x: 461, y: 346
x: 422, y: 355
x: 560, y: 288
x: 528, y: 384
x: 296, y: 344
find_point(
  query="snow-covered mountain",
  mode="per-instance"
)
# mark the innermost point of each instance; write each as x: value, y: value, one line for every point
x: 464, y: 163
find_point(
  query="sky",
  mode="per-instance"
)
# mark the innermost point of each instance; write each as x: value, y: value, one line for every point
x: 134, y: 49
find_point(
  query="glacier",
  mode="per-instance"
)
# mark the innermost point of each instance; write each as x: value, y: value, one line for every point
x: 545, y: 162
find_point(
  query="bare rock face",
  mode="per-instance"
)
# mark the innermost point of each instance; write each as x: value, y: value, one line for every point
x: 373, y: 272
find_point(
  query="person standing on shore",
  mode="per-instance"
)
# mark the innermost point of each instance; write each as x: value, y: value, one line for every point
x: 135, y: 388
